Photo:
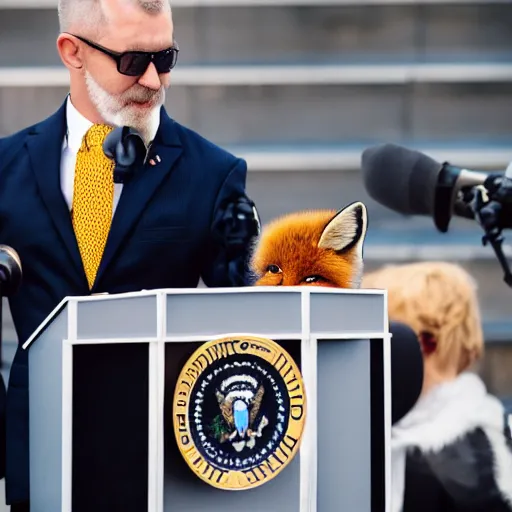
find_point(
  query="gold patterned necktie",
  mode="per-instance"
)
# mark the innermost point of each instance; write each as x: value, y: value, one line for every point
x: 93, y: 197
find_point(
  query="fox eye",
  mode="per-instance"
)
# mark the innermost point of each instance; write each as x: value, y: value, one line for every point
x: 313, y: 279
x: 274, y: 269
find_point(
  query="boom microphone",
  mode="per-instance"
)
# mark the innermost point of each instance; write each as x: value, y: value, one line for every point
x: 125, y: 146
x: 412, y: 183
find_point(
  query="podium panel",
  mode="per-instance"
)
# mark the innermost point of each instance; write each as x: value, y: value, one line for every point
x: 183, y: 491
x: 349, y: 425
x: 110, y: 427
x: 107, y: 376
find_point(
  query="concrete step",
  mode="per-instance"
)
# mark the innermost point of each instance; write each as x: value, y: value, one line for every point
x: 324, y: 141
x: 331, y: 113
x: 305, y: 132
x: 343, y: 157
x: 312, y: 114
x: 402, y: 244
x: 301, y: 148
x: 340, y: 73
x: 297, y: 33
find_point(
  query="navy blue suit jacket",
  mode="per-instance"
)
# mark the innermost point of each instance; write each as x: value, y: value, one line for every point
x: 161, y: 236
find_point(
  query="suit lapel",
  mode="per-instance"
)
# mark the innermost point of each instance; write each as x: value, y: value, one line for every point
x: 141, y: 188
x: 45, y: 150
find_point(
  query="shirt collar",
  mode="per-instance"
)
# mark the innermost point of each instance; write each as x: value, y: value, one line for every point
x: 77, y: 126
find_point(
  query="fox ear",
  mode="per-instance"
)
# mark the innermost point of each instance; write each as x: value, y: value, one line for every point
x: 346, y: 230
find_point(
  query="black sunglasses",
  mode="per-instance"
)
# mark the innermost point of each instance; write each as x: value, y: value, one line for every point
x: 135, y: 63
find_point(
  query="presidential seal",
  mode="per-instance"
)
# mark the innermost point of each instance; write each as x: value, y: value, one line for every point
x: 239, y: 411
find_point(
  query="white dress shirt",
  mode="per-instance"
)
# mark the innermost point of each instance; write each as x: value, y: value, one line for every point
x: 77, y: 126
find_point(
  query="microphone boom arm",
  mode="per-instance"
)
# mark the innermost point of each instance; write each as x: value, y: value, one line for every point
x: 487, y: 214
x: 484, y: 203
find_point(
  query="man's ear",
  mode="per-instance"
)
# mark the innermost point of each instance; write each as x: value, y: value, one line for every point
x: 346, y: 230
x: 69, y: 51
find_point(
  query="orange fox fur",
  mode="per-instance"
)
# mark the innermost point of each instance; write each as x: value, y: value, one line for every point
x: 316, y: 248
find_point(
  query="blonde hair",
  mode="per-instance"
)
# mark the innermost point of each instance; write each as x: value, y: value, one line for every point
x: 435, y: 298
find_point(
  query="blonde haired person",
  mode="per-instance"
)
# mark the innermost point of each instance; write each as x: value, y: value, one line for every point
x: 452, y: 451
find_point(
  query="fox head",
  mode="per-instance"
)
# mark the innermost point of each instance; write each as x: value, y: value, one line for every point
x: 319, y: 248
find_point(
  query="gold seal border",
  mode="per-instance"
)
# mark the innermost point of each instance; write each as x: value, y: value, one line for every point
x: 273, y: 353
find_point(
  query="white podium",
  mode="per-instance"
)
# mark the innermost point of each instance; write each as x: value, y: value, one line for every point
x: 103, y: 373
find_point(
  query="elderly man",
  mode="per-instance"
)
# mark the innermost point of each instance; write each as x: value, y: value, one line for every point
x: 76, y: 231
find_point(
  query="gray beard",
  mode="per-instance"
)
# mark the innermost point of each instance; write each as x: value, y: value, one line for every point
x: 108, y: 106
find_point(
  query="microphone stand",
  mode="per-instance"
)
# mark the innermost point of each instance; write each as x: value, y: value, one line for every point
x: 490, y: 207
x: 3, y: 277
x: 10, y: 280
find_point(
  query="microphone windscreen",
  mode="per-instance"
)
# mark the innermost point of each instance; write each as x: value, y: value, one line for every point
x: 11, y: 272
x: 406, y: 370
x: 400, y: 179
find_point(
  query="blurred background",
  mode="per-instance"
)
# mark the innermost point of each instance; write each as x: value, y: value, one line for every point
x: 299, y: 88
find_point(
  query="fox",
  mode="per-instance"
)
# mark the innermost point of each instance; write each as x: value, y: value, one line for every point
x: 312, y: 248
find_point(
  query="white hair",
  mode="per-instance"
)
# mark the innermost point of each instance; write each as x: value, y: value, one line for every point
x: 77, y: 11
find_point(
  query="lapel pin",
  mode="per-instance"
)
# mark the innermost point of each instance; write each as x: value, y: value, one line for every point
x: 155, y: 160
